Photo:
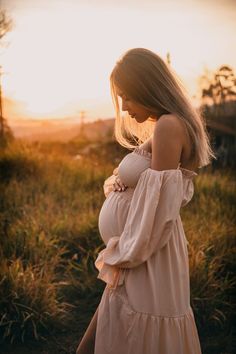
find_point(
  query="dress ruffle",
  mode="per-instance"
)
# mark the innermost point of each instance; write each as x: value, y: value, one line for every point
x: 148, y: 155
x: 111, y: 275
x: 143, y: 333
x: 142, y: 152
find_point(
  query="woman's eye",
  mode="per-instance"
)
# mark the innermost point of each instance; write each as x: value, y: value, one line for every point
x: 124, y: 98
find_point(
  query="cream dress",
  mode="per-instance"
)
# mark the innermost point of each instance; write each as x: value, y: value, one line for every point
x: 145, y: 307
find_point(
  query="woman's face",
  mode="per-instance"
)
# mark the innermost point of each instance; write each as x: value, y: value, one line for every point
x: 135, y: 110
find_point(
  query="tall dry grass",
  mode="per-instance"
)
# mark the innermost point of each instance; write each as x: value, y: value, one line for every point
x: 49, y: 240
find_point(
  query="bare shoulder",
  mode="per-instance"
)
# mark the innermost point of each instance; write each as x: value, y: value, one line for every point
x: 169, y: 128
x: 167, y: 142
x: 170, y: 124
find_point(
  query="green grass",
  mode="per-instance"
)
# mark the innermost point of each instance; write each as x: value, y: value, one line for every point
x: 49, y: 240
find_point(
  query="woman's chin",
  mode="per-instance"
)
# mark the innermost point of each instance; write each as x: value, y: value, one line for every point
x: 140, y: 120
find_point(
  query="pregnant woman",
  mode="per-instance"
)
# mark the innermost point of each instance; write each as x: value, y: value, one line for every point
x: 145, y: 307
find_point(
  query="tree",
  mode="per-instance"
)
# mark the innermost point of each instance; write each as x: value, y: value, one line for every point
x: 5, y: 131
x: 218, y: 87
x: 5, y: 24
x: 218, y: 94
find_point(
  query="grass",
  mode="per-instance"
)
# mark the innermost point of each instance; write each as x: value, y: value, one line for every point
x: 209, y: 223
x: 49, y: 239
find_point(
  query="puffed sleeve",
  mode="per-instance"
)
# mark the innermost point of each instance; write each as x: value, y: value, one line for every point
x: 154, y: 208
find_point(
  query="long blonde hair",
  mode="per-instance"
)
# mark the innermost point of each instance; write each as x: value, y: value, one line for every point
x: 147, y: 80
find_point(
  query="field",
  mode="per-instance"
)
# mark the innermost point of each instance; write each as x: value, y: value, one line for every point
x: 51, y: 194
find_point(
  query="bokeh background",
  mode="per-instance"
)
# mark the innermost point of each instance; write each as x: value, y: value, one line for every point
x: 57, y: 147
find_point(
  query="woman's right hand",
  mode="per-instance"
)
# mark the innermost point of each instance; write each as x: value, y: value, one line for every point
x: 118, y: 185
x: 113, y: 183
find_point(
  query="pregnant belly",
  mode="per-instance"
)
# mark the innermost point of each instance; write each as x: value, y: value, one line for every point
x: 113, y: 214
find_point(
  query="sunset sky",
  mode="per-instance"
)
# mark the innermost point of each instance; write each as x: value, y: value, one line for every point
x: 60, y: 52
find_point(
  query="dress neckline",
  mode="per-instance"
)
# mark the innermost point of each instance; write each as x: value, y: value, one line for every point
x: 143, y: 152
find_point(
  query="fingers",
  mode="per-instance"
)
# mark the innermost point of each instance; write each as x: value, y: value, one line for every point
x: 118, y: 185
x: 115, y: 171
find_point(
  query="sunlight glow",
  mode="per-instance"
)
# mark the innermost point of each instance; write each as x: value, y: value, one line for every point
x: 60, y: 57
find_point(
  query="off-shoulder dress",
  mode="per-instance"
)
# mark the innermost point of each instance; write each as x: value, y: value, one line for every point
x: 145, y: 307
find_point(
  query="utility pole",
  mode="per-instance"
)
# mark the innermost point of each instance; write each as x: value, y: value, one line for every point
x: 168, y: 58
x: 82, y: 120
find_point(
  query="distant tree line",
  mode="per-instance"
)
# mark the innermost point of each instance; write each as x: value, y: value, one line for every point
x: 218, y: 96
x: 5, y: 132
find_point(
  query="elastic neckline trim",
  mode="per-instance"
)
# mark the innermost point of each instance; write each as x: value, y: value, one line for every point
x: 148, y: 154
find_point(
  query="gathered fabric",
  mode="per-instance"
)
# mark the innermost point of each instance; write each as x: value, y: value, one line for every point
x: 145, y: 307
x: 154, y: 209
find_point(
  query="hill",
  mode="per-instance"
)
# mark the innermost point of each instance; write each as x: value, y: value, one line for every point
x: 60, y: 129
